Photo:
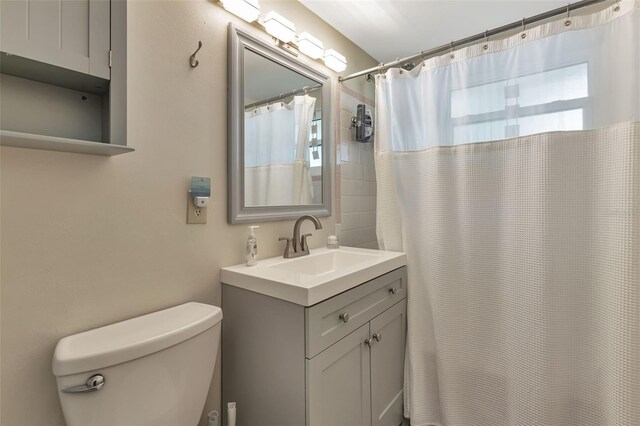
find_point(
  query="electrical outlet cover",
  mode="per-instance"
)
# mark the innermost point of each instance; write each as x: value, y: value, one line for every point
x: 195, y: 215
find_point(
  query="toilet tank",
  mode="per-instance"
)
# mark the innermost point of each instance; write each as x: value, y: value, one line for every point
x: 157, y: 368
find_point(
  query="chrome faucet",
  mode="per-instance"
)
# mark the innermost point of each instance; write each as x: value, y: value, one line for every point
x: 299, y: 244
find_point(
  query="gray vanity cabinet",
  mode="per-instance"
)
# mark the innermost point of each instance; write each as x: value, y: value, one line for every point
x: 339, y: 362
x: 71, y: 34
x: 358, y: 380
x: 339, y: 383
x: 387, y: 365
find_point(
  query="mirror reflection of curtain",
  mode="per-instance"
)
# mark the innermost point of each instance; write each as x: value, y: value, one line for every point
x: 276, y: 154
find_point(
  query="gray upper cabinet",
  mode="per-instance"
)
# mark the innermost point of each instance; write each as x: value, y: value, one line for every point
x: 71, y: 34
x: 67, y: 56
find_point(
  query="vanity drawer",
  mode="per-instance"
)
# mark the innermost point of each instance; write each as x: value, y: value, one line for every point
x: 331, y: 320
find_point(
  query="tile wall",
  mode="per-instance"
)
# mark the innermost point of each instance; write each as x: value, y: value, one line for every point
x: 355, y: 179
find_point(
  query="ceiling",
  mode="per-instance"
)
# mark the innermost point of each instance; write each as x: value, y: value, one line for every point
x: 389, y: 29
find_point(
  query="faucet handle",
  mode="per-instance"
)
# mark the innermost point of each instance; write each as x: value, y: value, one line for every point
x: 304, y: 246
x: 287, y: 248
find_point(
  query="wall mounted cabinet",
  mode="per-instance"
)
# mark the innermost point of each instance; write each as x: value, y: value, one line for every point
x: 339, y: 362
x: 71, y: 34
x: 63, y: 75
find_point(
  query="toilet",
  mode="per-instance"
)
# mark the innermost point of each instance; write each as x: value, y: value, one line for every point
x: 151, y: 370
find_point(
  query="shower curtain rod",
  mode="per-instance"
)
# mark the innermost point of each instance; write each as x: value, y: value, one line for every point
x: 480, y: 36
x: 284, y: 96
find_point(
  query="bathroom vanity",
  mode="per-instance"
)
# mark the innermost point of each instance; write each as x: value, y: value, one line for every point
x: 317, y: 340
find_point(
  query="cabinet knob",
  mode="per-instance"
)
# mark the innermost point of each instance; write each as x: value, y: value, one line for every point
x: 393, y: 290
x: 377, y: 336
x: 368, y: 342
x: 344, y: 317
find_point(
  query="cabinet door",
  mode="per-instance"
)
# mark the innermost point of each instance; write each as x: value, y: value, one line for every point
x: 338, y: 383
x: 387, y: 365
x: 72, y: 34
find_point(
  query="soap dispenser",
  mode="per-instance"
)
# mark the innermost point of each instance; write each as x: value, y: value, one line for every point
x: 251, y: 252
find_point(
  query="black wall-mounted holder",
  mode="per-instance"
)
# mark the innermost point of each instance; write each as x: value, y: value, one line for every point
x: 362, y: 124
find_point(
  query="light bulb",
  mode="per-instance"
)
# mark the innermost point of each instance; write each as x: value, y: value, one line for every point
x: 310, y: 46
x: 249, y: 10
x: 279, y: 27
x: 335, y: 60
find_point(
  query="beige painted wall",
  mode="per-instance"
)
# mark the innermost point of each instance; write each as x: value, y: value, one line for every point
x: 105, y: 239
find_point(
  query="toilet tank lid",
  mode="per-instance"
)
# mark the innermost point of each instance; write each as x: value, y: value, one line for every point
x: 134, y: 338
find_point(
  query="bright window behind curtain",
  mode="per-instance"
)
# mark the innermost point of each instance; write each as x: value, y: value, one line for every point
x: 546, y: 101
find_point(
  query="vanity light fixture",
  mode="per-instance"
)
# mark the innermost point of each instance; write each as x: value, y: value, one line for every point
x: 249, y: 10
x: 310, y: 46
x: 335, y: 60
x: 279, y: 27
x: 284, y: 31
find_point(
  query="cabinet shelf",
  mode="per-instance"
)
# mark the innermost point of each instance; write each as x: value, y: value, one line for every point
x: 53, y: 143
x: 63, y: 76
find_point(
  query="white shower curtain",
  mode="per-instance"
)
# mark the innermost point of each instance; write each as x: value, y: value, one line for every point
x: 276, y: 153
x: 510, y: 174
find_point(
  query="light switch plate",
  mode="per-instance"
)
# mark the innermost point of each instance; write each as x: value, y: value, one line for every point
x: 195, y: 215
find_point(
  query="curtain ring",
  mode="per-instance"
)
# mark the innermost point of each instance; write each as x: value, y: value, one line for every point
x: 568, y: 21
x: 523, y: 35
x: 486, y: 40
x: 451, y: 48
x: 380, y: 70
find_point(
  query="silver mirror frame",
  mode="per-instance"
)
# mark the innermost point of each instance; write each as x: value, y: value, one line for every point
x: 237, y: 211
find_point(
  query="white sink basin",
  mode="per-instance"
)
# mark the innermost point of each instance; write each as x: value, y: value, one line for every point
x: 310, y: 279
x: 324, y: 263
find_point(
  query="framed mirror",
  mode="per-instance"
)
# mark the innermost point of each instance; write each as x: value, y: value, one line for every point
x: 279, y: 152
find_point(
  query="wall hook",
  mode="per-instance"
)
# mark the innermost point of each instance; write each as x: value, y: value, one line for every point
x: 192, y: 59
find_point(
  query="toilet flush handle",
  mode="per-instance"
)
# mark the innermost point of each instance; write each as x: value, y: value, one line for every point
x: 94, y: 383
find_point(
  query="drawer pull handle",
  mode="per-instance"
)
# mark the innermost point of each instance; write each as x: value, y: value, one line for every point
x: 377, y: 336
x: 344, y: 317
x: 393, y: 290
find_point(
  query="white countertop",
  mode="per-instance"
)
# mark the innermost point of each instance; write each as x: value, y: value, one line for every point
x: 307, y: 289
